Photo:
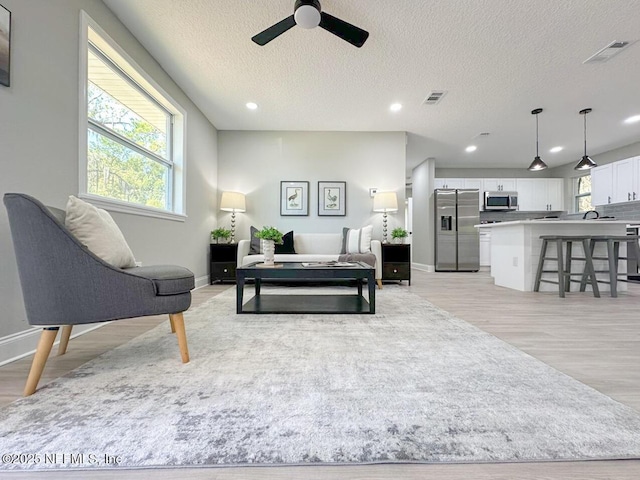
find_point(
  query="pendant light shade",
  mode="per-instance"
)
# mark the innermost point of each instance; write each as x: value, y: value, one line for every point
x: 586, y: 162
x: 537, y: 163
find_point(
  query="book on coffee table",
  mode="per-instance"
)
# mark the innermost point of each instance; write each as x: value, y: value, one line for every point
x: 328, y: 264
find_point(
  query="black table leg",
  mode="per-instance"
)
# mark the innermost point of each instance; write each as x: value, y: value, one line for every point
x: 257, y: 280
x: 359, y: 283
x: 372, y: 293
x: 239, y: 291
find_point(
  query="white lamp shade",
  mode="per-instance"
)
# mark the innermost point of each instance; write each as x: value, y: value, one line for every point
x: 385, y: 202
x: 233, y: 202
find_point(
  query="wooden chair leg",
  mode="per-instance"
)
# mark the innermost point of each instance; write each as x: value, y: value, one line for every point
x: 47, y: 337
x: 379, y: 282
x: 178, y: 321
x: 173, y: 327
x: 64, y: 339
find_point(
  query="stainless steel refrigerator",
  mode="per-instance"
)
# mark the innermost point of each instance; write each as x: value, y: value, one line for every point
x: 457, y: 242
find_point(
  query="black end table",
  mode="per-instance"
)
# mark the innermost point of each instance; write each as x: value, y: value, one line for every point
x: 223, y: 261
x: 396, y: 262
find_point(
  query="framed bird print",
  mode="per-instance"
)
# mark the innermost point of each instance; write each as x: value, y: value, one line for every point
x: 294, y: 198
x: 332, y: 199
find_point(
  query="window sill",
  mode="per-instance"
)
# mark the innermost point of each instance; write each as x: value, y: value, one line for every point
x: 123, y: 207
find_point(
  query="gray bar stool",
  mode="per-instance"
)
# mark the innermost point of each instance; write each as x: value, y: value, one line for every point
x: 564, y: 265
x: 613, y: 256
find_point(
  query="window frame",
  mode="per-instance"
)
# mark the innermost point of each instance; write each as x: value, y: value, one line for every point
x: 176, y: 141
x: 577, y: 195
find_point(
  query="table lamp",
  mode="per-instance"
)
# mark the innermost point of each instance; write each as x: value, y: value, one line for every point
x: 233, y: 202
x: 385, y: 202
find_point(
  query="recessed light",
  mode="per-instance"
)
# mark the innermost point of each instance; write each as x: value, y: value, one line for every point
x: 471, y: 148
x: 395, y: 107
x: 252, y: 106
x: 556, y: 149
x: 634, y: 119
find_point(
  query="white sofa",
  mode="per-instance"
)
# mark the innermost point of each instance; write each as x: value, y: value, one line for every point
x: 311, y: 247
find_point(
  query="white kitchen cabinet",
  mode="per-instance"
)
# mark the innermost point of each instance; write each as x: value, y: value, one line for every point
x: 625, y: 180
x: 449, y: 182
x: 499, y: 184
x: 485, y: 248
x: 476, y: 183
x: 540, y: 194
x: 602, y: 185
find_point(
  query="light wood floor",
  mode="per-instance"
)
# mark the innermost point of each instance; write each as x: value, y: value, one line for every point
x: 596, y: 341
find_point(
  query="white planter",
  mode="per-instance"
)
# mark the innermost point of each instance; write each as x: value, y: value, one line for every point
x: 269, y: 250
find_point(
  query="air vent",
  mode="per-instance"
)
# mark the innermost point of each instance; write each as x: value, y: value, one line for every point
x: 434, y: 97
x: 607, y: 52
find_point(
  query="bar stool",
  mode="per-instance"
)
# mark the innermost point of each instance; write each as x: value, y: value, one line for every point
x: 565, y: 284
x: 613, y: 256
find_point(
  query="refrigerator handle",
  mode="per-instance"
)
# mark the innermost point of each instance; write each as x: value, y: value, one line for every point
x: 446, y: 223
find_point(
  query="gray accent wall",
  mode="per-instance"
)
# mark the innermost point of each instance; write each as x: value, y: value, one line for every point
x: 39, y: 141
x: 255, y: 162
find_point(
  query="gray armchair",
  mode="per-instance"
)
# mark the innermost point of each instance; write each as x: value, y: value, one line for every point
x: 65, y: 284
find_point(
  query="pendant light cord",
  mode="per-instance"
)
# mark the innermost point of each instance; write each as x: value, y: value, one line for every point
x: 537, y: 155
x: 585, y: 134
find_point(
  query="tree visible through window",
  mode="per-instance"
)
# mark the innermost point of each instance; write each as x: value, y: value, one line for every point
x: 129, y: 138
x: 583, y: 194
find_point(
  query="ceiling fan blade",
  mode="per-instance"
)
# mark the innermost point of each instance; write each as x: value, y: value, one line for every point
x: 350, y: 33
x: 273, y: 31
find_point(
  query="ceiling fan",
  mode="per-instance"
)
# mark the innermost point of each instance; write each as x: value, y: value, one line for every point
x: 308, y: 14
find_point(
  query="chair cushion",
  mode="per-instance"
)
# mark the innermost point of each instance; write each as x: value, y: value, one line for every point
x: 167, y: 279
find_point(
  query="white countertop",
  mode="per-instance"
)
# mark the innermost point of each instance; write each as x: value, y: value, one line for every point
x: 547, y: 221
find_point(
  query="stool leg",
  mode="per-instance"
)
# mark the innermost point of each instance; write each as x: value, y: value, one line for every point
x: 560, y: 266
x: 567, y: 270
x: 588, y: 267
x: 613, y: 272
x: 543, y: 253
x: 583, y: 280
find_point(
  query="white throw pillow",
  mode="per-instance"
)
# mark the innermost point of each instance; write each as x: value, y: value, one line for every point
x: 95, y: 228
x: 357, y: 240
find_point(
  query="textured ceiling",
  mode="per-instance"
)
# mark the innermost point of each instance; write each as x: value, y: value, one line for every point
x: 498, y: 60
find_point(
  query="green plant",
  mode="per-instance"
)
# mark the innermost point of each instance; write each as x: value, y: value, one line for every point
x: 399, y: 233
x: 220, y: 233
x: 270, y: 233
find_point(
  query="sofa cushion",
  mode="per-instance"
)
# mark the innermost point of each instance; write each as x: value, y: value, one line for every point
x: 287, y: 244
x: 256, y: 243
x: 167, y: 279
x: 357, y: 240
x: 318, y: 243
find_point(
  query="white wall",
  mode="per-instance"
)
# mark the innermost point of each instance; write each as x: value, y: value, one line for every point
x: 255, y: 162
x: 422, y: 242
x: 39, y: 141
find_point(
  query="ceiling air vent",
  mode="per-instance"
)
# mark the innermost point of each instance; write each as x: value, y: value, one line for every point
x: 607, y: 52
x: 434, y: 97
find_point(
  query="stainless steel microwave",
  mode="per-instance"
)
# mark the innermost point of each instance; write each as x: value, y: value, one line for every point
x: 500, y: 200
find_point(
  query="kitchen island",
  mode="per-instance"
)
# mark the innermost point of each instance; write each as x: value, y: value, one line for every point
x: 515, y: 250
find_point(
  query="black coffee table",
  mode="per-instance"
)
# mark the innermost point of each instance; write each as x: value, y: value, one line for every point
x: 319, y: 303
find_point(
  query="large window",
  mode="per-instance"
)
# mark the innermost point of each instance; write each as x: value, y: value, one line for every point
x: 583, y: 194
x: 133, y: 131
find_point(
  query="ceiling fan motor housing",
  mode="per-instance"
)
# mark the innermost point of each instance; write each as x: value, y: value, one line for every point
x: 307, y: 13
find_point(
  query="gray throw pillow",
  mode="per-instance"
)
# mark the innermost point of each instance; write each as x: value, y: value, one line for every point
x: 256, y: 243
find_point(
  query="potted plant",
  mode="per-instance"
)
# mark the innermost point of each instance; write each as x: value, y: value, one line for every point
x: 269, y: 236
x: 399, y: 234
x: 220, y: 233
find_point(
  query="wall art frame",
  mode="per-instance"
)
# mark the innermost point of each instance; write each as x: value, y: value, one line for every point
x: 5, y: 46
x: 332, y: 199
x: 294, y: 198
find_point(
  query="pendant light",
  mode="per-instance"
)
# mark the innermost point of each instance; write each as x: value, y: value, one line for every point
x: 537, y: 163
x: 585, y: 163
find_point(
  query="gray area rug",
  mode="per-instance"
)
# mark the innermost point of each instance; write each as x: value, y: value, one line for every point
x: 409, y: 384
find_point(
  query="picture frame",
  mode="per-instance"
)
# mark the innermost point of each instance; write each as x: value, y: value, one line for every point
x: 5, y: 46
x: 332, y: 199
x: 294, y: 198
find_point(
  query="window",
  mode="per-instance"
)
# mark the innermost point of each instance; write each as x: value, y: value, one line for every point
x: 583, y: 194
x: 133, y: 159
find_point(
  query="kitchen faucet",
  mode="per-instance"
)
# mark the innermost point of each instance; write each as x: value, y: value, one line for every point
x: 584, y: 217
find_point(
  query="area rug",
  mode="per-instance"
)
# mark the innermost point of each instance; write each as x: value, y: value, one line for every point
x: 411, y: 383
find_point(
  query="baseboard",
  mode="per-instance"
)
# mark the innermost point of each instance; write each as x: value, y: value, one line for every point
x: 423, y: 267
x: 202, y: 281
x: 22, y: 344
